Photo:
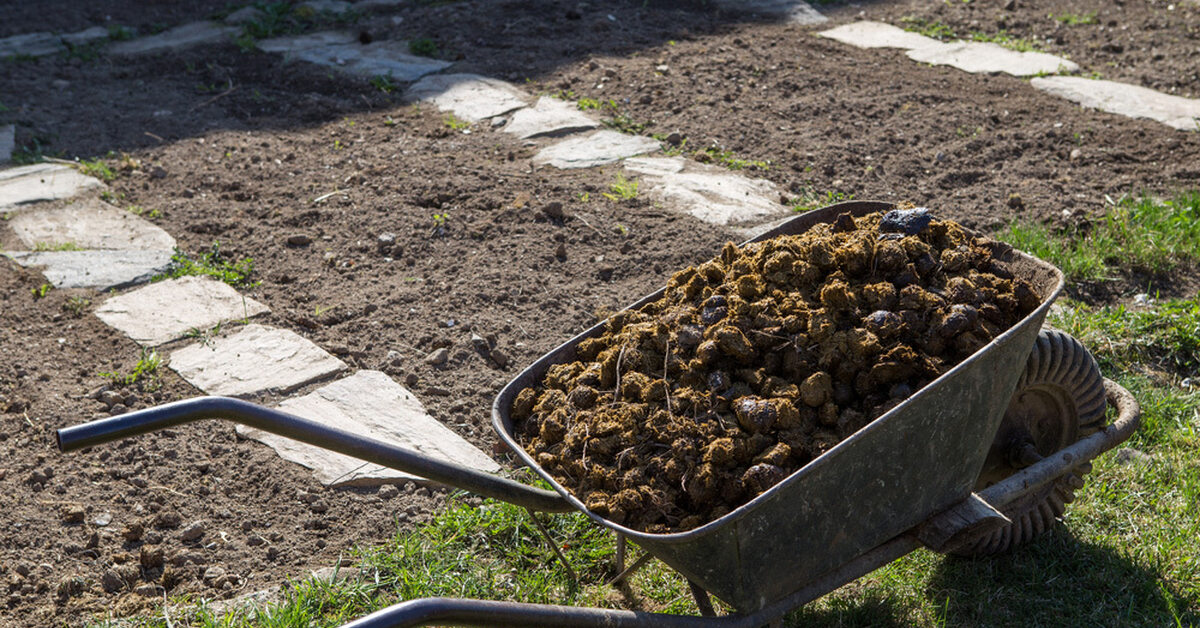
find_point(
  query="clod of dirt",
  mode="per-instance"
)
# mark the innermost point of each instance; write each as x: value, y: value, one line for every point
x: 756, y: 362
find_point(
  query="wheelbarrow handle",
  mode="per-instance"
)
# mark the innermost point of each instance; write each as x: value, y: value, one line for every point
x: 312, y: 433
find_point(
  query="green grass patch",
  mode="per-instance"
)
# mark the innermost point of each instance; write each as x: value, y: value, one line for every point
x: 727, y: 158
x: 96, y: 168
x: 144, y: 374
x: 1164, y: 337
x: 943, y: 32
x: 1135, y: 235
x: 211, y: 263
x: 61, y: 246
x: 1076, y: 19
x: 423, y: 47
x: 622, y: 189
x: 811, y: 199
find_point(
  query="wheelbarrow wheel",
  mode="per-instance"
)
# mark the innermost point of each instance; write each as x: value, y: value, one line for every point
x: 1059, y: 399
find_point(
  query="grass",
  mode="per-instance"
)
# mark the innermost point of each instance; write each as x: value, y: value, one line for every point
x: 1076, y: 19
x: 455, y: 123
x: 941, y: 31
x: 96, y: 168
x: 77, y: 306
x: 811, y: 199
x: 211, y: 263
x: 714, y: 155
x: 1136, y: 235
x: 276, y: 19
x: 622, y: 189
x: 41, y: 291
x: 61, y: 246
x: 423, y: 47
x: 383, y: 83
x: 144, y: 373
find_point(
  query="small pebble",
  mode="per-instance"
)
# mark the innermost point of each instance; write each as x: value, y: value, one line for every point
x: 193, y: 532
x: 299, y: 239
x: 438, y: 357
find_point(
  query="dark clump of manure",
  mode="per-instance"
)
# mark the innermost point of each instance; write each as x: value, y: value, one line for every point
x: 756, y: 362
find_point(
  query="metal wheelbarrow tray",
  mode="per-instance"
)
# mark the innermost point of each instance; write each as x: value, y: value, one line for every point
x: 903, y: 481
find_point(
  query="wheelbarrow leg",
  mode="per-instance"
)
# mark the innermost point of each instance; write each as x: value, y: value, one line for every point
x: 703, y: 601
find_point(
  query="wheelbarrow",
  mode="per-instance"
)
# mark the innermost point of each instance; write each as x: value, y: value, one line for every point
x: 979, y: 461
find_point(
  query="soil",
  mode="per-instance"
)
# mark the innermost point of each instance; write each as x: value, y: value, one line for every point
x: 234, y: 146
x: 758, y: 361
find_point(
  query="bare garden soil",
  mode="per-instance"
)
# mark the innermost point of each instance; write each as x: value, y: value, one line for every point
x: 233, y: 146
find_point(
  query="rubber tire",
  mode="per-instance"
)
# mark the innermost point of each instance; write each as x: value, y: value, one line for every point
x: 1060, y: 365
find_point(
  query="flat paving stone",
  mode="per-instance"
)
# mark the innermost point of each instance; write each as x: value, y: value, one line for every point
x: 42, y: 182
x: 370, y: 404
x: 387, y: 58
x: 342, y: 50
x: 167, y: 310
x: 868, y: 34
x: 304, y: 42
x: 243, y: 15
x: 89, y: 223
x: 31, y: 44
x: 988, y: 58
x: 102, y: 270
x: 255, y: 359
x: 792, y: 11
x: 549, y: 117
x: 597, y: 149
x: 336, y: 7
x: 714, y: 195
x: 1124, y: 99
x: 86, y: 36
x: 8, y: 142
x: 177, y: 38
x: 468, y: 96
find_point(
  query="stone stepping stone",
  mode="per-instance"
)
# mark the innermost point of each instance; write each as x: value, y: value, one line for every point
x: 549, y: 117
x: 988, y: 58
x: 468, y: 96
x: 41, y: 182
x: 254, y: 360
x: 1124, y: 99
x: 177, y: 38
x: 867, y: 34
x: 597, y: 149
x: 102, y: 270
x: 304, y: 42
x: 712, y: 194
x: 86, y: 36
x: 31, y: 44
x: 336, y: 7
x: 791, y: 11
x: 343, y: 51
x: 42, y: 44
x: 89, y: 224
x: 167, y: 310
x: 370, y: 404
x: 8, y: 142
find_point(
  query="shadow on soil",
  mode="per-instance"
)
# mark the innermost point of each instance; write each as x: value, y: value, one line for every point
x: 1058, y: 580
x: 83, y: 105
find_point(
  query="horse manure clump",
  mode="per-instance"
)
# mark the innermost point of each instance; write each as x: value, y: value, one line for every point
x: 756, y: 362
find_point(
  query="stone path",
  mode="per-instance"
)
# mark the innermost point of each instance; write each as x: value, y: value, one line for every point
x: 986, y: 58
x: 371, y: 404
x: 233, y: 365
x: 53, y: 206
